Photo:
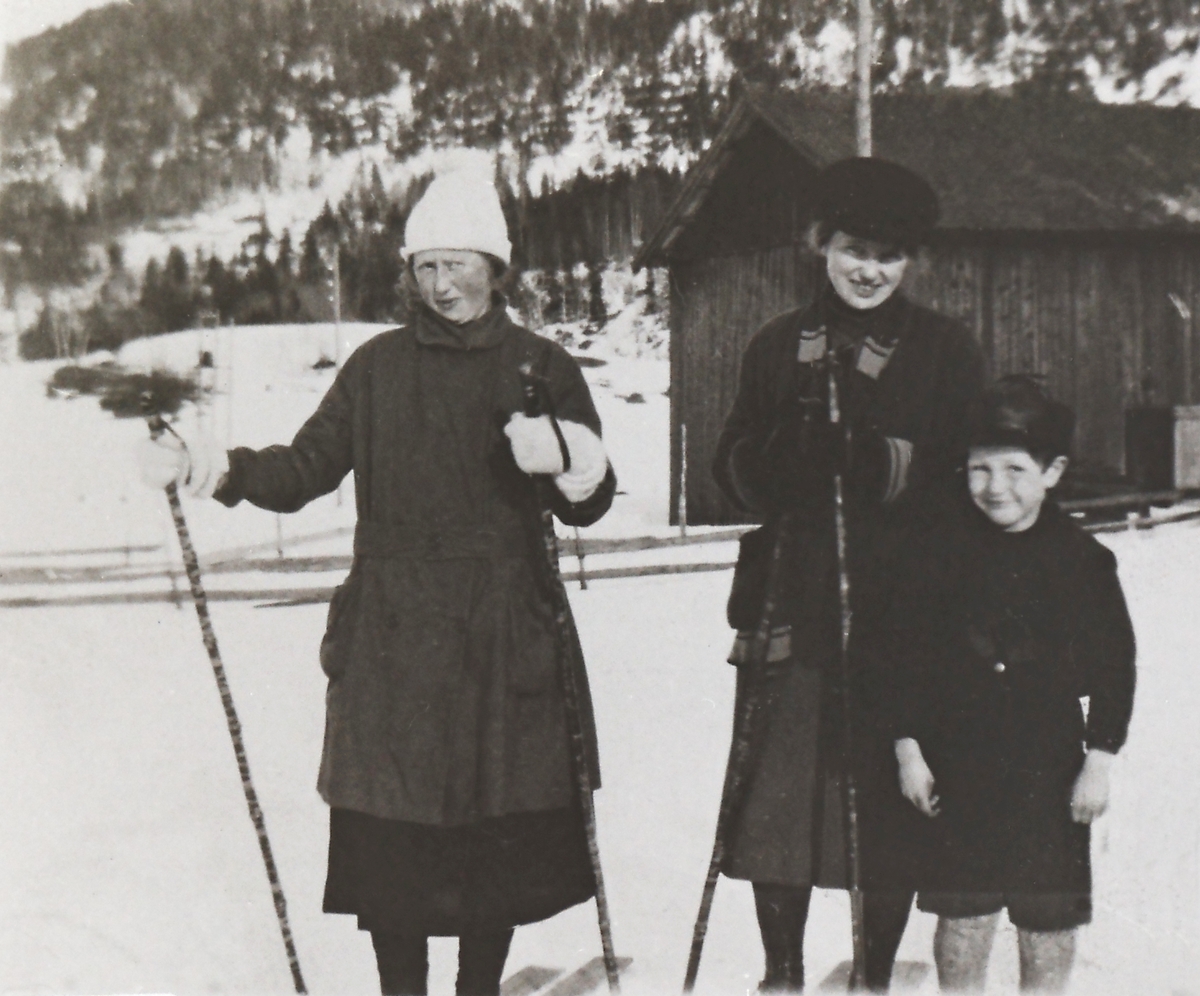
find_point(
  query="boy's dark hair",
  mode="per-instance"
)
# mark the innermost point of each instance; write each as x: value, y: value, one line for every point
x: 1016, y: 411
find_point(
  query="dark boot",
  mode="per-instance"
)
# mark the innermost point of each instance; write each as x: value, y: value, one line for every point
x: 403, y: 962
x: 782, y: 915
x: 481, y: 958
x: 885, y: 915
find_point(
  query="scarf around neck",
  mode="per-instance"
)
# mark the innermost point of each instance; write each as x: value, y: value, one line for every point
x: 872, y: 334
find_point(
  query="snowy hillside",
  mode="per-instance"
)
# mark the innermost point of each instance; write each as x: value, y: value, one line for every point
x: 308, y: 179
x: 129, y: 862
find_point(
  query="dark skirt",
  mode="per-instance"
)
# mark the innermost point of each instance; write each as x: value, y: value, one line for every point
x: 791, y: 829
x: 410, y: 878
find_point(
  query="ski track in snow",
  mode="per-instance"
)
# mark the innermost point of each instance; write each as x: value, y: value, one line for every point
x: 130, y: 863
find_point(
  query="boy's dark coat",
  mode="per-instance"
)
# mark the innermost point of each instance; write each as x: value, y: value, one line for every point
x: 444, y: 702
x: 790, y: 828
x: 996, y: 636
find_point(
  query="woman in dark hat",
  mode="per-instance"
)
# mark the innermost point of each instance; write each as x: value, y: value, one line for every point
x: 906, y: 377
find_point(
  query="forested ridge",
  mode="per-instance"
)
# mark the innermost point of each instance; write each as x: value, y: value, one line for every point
x: 162, y: 102
x: 149, y: 109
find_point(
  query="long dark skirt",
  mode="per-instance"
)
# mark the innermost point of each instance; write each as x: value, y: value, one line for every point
x: 789, y: 831
x: 792, y: 829
x: 410, y: 878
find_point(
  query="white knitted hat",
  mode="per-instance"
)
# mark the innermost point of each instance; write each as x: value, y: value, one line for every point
x: 460, y: 210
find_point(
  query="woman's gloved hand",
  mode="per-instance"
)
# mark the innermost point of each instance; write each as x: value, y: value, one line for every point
x: 197, y: 468
x: 801, y: 455
x: 534, y: 445
x: 536, y: 450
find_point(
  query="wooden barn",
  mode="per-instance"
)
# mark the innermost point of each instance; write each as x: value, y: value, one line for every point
x: 1069, y: 244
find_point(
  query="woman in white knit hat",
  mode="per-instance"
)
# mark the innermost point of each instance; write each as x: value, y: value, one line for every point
x: 446, y: 761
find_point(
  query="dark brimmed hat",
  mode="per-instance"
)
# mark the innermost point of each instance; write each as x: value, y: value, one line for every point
x: 1015, y: 411
x: 875, y: 199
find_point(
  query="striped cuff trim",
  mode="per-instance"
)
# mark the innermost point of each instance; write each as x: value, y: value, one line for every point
x: 779, y: 649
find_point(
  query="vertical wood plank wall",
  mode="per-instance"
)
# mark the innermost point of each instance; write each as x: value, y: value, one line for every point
x: 716, y: 306
x: 1097, y: 321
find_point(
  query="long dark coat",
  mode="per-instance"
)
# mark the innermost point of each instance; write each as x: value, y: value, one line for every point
x: 790, y: 830
x: 444, y: 704
x: 997, y: 636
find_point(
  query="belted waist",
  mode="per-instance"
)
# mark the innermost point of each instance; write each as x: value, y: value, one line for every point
x: 389, y: 540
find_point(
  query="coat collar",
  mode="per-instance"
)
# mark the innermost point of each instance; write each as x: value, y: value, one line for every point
x: 846, y: 325
x: 482, y: 333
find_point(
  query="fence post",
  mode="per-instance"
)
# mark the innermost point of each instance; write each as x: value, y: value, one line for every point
x: 682, y: 505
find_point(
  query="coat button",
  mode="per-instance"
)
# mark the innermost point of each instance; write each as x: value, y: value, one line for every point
x: 998, y: 667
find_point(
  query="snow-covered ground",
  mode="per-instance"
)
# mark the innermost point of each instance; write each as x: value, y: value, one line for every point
x: 128, y: 861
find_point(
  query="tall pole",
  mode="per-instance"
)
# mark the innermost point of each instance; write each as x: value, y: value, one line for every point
x: 863, y: 57
x: 337, y: 322
x: 537, y: 402
x: 858, y: 967
x: 200, y: 599
x: 337, y: 304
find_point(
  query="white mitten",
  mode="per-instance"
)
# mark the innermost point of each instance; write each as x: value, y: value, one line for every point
x: 534, y: 444
x: 197, y: 468
x: 162, y: 460
x: 209, y: 465
x: 589, y: 463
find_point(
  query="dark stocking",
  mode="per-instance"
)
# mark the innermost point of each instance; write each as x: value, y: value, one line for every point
x: 481, y: 958
x: 403, y: 962
x: 782, y: 914
x: 885, y: 914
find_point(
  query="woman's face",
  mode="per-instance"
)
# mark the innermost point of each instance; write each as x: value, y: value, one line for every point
x: 456, y: 283
x: 865, y: 273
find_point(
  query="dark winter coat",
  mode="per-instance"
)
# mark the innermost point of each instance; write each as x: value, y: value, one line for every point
x: 996, y: 637
x: 444, y: 703
x: 790, y: 827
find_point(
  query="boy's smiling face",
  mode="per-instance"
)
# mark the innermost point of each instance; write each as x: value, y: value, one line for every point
x: 1009, y: 485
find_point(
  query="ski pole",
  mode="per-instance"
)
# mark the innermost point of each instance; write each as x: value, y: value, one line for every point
x: 741, y: 752
x: 536, y: 403
x: 158, y: 425
x: 850, y: 787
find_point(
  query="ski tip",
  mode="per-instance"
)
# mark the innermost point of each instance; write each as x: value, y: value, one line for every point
x: 529, y: 980
x: 586, y: 979
x: 907, y: 976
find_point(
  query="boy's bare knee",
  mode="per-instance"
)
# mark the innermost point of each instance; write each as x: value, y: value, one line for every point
x: 961, y: 948
x: 1046, y: 959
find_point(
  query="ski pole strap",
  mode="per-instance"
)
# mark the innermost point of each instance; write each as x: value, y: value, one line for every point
x: 535, y: 390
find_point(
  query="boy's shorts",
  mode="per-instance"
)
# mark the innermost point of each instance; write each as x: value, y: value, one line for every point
x: 1038, y: 911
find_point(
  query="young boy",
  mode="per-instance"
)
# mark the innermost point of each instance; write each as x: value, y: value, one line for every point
x: 1007, y: 616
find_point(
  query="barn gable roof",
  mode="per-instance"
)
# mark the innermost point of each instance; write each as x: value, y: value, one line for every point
x: 1000, y: 162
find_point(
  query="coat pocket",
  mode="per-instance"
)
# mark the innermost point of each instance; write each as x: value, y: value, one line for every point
x: 335, y: 644
x: 533, y: 667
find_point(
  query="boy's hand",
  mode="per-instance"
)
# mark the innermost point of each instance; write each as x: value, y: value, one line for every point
x: 1089, y: 797
x: 916, y: 780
